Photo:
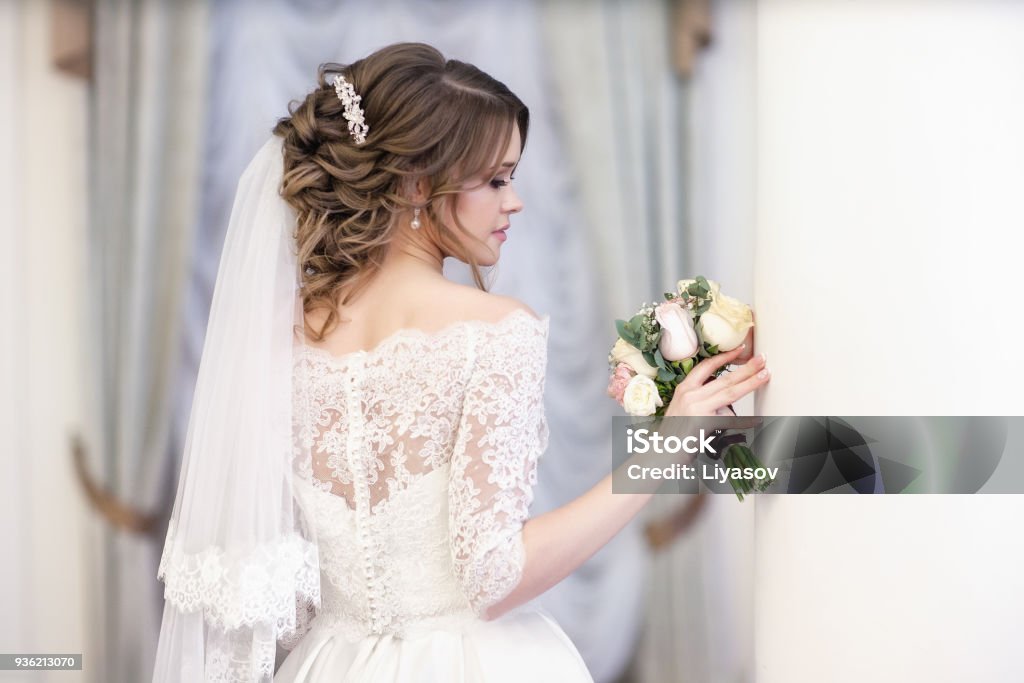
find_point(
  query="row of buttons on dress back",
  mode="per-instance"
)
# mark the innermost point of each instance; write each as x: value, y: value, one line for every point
x: 357, y: 466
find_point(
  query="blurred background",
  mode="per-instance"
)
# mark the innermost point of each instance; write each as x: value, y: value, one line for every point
x: 852, y: 169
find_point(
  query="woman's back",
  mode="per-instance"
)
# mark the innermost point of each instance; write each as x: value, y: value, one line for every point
x: 423, y: 458
x: 422, y: 448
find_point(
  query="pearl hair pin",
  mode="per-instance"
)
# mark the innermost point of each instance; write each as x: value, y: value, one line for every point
x: 357, y: 127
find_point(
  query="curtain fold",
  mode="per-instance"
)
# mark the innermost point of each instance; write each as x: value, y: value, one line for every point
x: 631, y: 138
x: 146, y: 105
x: 623, y: 112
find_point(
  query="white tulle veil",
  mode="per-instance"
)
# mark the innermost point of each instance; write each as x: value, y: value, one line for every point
x: 240, y: 562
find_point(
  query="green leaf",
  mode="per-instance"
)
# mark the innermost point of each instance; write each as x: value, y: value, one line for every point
x: 659, y: 360
x: 666, y: 375
x: 626, y: 334
x: 687, y: 365
x: 713, y: 349
x: 649, y: 357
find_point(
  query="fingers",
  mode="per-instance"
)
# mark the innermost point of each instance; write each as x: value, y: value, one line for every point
x: 704, y: 369
x: 728, y: 379
x: 734, y: 392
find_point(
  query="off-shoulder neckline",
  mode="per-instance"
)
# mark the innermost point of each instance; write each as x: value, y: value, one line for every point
x: 416, y: 333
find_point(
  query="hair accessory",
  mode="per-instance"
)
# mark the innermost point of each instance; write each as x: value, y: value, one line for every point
x: 415, y: 218
x: 357, y: 127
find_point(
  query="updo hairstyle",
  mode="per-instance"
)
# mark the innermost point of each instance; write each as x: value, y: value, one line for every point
x: 434, y: 125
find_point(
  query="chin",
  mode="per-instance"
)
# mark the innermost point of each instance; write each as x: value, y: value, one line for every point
x: 488, y: 256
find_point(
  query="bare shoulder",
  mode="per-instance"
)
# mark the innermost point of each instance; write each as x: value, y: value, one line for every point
x: 469, y: 303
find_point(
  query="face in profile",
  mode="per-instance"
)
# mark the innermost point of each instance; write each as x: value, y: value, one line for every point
x: 484, y: 208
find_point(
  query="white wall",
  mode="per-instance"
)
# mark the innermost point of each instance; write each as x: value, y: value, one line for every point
x: 43, y: 208
x: 890, y: 165
x: 891, y: 158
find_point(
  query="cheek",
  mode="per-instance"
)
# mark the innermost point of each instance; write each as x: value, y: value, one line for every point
x: 476, y: 209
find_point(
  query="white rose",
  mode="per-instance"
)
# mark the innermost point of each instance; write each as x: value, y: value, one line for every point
x: 726, y: 322
x: 641, y: 397
x: 678, y: 338
x: 624, y: 352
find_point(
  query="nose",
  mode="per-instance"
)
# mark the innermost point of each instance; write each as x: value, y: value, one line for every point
x: 511, y: 203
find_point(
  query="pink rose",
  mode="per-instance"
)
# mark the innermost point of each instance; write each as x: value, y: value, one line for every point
x: 618, y: 381
x: 678, y: 338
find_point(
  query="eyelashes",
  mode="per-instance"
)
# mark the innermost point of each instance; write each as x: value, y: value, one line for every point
x: 497, y: 183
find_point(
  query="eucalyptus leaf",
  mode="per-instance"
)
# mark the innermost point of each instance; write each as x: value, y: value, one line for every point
x: 649, y: 357
x: 666, y: 375
x: 659, y: 360
x: 625, y: 333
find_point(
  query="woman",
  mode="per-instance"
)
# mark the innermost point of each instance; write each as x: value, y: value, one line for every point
x: 394, y: 544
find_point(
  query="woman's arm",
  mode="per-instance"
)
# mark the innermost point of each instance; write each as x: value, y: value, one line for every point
x: 559, y: 541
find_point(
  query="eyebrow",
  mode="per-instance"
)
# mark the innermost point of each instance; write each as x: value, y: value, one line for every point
x: 509, y: 164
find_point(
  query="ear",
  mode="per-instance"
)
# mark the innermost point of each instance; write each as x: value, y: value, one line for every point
x: 418, y: 190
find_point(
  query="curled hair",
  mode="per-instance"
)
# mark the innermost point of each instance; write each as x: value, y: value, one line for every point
x: 434, y: 124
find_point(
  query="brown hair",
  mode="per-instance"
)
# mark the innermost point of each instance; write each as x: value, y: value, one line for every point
x: 432, y: 121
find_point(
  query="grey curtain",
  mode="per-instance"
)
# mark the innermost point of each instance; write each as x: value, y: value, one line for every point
x: 146, y: 104
x: 622, y: 107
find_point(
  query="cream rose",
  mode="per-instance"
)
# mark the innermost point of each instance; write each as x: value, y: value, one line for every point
x: 678, y: 338
x: 641, y: 397
x: 726, y: 322
x: 624, y: 352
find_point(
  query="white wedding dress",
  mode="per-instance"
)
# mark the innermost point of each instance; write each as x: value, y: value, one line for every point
x: 424, y: 453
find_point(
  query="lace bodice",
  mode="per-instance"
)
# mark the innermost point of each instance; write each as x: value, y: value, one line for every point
x: 423, y: 460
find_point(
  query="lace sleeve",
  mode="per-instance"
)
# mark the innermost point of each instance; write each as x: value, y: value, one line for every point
x: 494, y: 465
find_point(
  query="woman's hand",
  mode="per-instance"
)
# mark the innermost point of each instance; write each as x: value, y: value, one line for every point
x: 695, y: 398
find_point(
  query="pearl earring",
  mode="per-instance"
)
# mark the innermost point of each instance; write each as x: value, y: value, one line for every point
x: 415, y: 219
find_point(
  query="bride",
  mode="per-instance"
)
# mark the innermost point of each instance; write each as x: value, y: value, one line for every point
x: 365, y: 433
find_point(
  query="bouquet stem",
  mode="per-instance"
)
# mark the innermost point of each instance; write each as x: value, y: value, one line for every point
x: 738, y: 455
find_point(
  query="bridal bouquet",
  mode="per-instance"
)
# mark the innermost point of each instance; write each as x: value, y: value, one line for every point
x: 659, y: 346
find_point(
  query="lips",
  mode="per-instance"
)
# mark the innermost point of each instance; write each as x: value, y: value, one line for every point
x: 500, y: 233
